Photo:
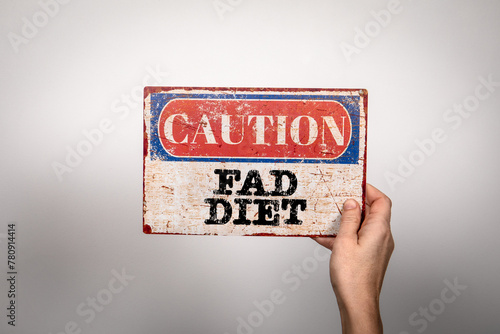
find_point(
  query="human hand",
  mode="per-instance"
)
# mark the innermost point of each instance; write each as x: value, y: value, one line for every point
x: 359, y: 260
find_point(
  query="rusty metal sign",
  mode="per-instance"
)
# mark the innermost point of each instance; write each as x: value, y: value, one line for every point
x: 252, y: 161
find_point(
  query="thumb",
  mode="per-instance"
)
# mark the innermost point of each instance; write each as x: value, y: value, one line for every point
x: 351, y: 219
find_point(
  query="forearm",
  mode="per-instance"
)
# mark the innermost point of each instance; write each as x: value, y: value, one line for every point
x: 360, y: 317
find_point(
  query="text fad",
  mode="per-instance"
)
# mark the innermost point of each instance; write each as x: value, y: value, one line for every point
x: 252, y: 161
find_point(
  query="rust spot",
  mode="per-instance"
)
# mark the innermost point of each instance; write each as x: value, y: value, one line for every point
x: 147, y: 229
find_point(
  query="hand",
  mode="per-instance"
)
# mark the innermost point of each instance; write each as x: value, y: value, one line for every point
x: 359, y: 260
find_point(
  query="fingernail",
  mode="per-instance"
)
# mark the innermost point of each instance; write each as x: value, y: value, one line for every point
x: 349, y: 204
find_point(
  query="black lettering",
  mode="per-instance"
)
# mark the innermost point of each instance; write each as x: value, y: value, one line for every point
x: 266, y: 207
x: 228, y: 211
x: 294, y: 207
x: 253, y: 180
x: 226, y: 180
x: 278, y: 183
x: 242, y: 217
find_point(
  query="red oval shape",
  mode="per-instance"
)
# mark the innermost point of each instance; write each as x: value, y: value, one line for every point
x: 241, y: 128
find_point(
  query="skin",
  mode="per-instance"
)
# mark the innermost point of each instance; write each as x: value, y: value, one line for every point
x: 359, y: 260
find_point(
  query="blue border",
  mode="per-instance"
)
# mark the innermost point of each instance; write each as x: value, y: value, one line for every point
x: 350, y: 103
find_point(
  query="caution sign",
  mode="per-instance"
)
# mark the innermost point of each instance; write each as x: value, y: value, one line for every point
x: 251, y: 161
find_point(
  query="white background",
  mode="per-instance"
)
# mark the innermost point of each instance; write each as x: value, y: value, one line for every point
x: 78, y: 225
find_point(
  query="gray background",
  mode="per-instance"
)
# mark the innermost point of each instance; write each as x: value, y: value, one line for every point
x: 82, y: 62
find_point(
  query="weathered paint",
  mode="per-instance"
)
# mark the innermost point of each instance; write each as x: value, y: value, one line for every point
x: 252, y: 161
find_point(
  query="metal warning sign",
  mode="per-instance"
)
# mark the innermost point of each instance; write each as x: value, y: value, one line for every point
x: 252, y: 161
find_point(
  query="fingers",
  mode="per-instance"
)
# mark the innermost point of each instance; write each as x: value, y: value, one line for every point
x: 378, y: 209
x: 325, y: 241
x: 349, y: 224
x: 378, y: 204
x: 351, y: 219
x: 373, y: 194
